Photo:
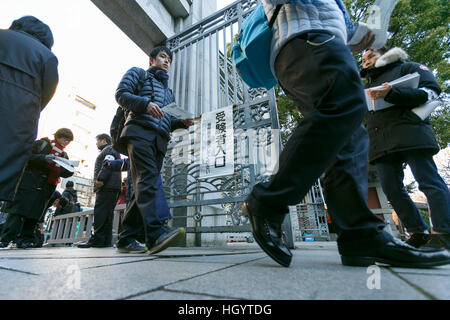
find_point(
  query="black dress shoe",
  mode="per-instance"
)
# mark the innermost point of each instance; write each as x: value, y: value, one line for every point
x: 24, y: 244
x: 133, y: 247
x: 4, y: 244
x: 438, y: 241
x: 418, y: 239
x: 167, y: 239
x: 384, y: 249
x: 268, y: 235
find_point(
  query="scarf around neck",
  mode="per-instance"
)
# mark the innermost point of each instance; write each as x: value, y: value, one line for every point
x: 161, y: 76
x: 55, y: 169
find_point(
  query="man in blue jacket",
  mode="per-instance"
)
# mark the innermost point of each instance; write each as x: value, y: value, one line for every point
x: 315, y: 68
x: 143, y: 94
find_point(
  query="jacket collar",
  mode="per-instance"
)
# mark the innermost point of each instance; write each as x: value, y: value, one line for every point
x: 160, y: 75
x: 390, y: 59
x: 393, y: 55
x: 103, y: 146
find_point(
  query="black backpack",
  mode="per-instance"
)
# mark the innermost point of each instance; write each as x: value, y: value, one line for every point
x: 118, y: 122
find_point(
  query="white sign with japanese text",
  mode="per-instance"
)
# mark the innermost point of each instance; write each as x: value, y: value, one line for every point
x: 217, y: 143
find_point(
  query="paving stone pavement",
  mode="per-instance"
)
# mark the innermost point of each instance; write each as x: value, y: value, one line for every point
x: 236, y: 271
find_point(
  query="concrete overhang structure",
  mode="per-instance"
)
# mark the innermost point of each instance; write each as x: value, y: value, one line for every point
x: 150, y: 22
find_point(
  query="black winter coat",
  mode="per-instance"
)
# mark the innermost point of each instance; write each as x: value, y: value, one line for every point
x: 112, y: 181
x: 135, y: 91
x: 67, y: 201
x: 397, y: 128
x: 28, y: 79
x: 34, y: 192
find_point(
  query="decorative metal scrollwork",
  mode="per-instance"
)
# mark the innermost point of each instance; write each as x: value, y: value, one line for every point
x: 198, y: 216
x: 230, y: 14
x: 174, y: 43
x: 256, y: 93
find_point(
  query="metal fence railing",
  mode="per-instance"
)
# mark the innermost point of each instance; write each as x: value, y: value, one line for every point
x: 74, y: 227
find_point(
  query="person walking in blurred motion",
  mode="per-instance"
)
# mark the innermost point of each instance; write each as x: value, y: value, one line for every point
x: 315, y: 68
x: 398, y: 136
x: 144, y: 94
x: 39, y: 181
x: 28, y: 80
x: 107, y: 187
x: 161, y: 204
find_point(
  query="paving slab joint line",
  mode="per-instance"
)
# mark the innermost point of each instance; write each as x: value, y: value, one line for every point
x: 204, y: 255
x: 120, y: 263
x: 163, y: 287
x: 413, y: 285
x: 20, y: 271
x: 158, y: 257
x: 201, y: 294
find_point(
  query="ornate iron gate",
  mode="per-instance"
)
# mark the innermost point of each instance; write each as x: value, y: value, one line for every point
x: 204, y: 79
x: 309, y: 218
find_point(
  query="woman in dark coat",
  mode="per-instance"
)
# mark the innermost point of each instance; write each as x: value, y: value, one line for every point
x: 39, y: 181
x: 28, y: 80
x: 398, y: 136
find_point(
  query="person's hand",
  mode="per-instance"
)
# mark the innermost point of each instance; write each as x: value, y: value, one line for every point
x: 366, y: 43
x: 381, y: 93
x: 56, y: 203
x: 188, y: 122
x: 49, y: 158
x: 99, y: 184
x: 154, y: 111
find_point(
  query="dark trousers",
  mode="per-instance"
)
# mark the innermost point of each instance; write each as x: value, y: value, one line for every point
x: 319, y: 74
x: 105, y: 203
x: 18, y: 228
x: 145, y: 161
x: 390, y: 172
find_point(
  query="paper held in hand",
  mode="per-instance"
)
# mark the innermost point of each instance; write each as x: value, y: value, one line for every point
x: 377, y: 22
x: 409, y: 81
x: 69, y: 165
x: 177, y: 112
x: 426, y: 109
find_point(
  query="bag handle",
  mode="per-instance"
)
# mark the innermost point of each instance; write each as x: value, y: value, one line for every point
x: 274, y: 16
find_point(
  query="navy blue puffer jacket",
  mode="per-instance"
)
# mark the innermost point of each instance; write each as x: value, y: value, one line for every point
x: 135, y: 91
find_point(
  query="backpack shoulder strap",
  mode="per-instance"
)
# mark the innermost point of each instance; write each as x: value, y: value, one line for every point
x: 274, y: 16
x: 142, y: 77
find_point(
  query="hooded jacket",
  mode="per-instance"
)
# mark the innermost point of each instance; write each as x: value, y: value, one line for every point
x: 28, y: 80
x: 397, y: 128
x: 67, y: 201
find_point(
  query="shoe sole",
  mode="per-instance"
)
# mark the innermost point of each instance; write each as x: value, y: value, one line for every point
x: 123, y: 250
x: 260, y: 243
x: 358, y: 261
x: 169, y: 241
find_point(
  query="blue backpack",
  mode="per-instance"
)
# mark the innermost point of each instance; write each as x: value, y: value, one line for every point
x: 251, y: 52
